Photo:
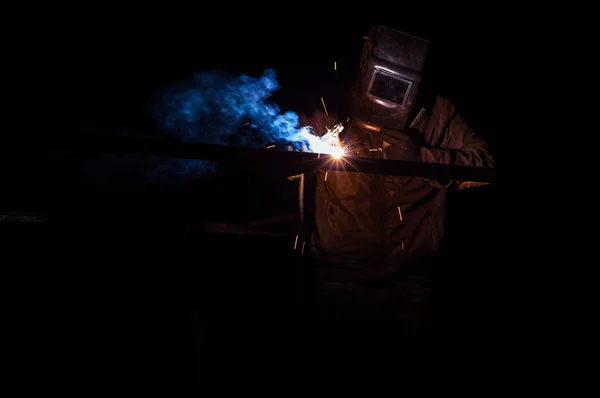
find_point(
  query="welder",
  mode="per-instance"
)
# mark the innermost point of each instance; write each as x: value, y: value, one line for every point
x: 377, y: 236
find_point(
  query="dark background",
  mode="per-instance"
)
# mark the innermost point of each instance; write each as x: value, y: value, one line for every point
x: 116, y: 71
x: 124, y: 287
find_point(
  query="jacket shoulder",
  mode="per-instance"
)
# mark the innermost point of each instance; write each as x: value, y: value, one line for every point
x: 443, y: 105
x: 433, y: 105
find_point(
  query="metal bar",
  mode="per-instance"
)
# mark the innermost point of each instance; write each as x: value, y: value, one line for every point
x: 272, y: 161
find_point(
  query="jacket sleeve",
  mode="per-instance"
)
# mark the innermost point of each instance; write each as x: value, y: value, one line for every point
x: 454, y: 142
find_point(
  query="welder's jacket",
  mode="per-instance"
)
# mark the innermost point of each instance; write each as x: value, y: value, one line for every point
x: 371, y: 226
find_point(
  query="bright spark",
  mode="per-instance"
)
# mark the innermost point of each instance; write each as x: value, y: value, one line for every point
x: 337, y: 152
x: 324, y: 107
x: 329, y: 143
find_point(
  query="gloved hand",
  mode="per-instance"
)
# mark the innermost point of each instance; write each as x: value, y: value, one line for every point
x: 403, y: 145
x: 318, y: 121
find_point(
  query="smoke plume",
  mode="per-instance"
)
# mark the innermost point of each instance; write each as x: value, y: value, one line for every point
x: 215, y: 107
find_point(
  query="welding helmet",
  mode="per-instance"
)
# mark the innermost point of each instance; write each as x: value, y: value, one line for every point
x: 389, y: 78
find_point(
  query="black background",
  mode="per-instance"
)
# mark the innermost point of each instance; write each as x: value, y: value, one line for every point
x: 120, y: 288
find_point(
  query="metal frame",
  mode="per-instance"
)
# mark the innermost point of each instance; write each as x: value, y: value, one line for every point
x: 274, y: 162
x: 302, y: 165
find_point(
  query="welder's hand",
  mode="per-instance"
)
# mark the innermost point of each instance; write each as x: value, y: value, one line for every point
x: 403, y: 146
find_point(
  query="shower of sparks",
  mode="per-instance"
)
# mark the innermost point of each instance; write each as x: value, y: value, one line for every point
x: 328, y: 143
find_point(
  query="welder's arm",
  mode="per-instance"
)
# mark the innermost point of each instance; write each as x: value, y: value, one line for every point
x: 473, y: 153
x: 463, y: 148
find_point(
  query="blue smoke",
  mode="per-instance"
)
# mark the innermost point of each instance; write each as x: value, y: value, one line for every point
x: 217, y: 108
